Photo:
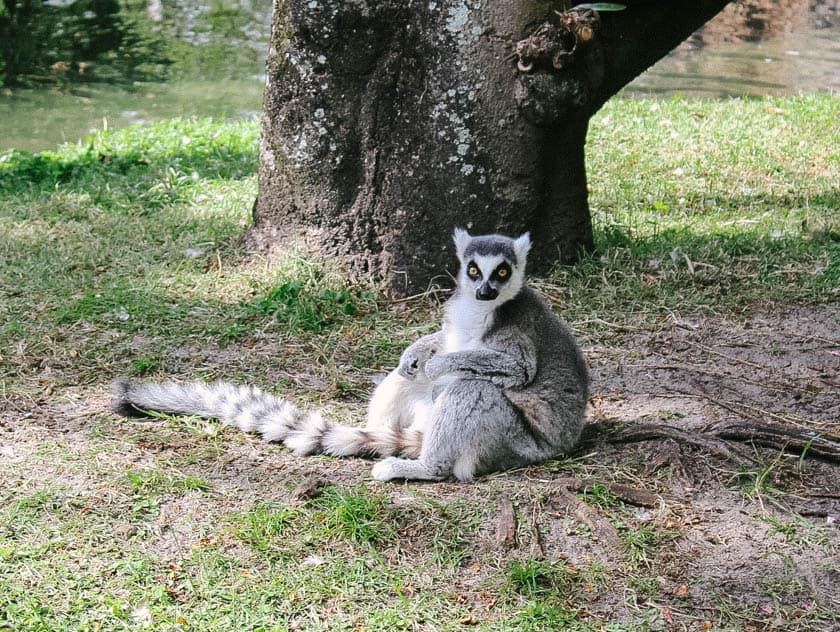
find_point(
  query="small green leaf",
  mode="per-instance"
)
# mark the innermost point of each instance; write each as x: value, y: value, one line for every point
x: 601, y: 6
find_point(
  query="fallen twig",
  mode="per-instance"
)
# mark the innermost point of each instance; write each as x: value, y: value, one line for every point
x: 506, y: 526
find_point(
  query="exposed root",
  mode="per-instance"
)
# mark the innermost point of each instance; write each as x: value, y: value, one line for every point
x: 721, y: 440
x: 808, y: 444
x: 588, y: 515
x: 626, y: 493
x: 537, y: 550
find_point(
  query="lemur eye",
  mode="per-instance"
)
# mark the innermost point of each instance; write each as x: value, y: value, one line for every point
x: 472, y: 272
x: 502, y: 272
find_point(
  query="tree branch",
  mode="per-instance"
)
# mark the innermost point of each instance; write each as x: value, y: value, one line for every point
x: 642, y: 34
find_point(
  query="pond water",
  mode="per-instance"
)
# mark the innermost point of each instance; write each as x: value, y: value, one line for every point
x: 33, y: 120
x: 212, y: 53
x: 754, y: 49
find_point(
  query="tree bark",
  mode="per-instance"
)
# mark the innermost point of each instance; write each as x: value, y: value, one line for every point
x: 387, y: 123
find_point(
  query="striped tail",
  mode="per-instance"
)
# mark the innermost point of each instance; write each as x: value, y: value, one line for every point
x: 253, y: 410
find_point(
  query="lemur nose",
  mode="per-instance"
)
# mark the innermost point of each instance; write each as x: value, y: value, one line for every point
x: 486, y: 293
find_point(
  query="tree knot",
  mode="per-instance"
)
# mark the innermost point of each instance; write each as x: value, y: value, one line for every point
x: 561, y: 67
x: 556, y: 43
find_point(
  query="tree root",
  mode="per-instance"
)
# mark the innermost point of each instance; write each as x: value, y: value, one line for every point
x: 626, y: 493
x: 586, y: 514
x: 808, y: 444
x: 722, y: 439
x: 591, y: 517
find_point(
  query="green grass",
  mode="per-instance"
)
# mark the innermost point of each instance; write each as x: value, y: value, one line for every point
x: 599, y: 495
x: 355, y: 514
x: 709, y: 206
x: 133, y: 235
x: 534, y: 577
x: 120, y: 256
x: 638, y: 541
x: 154, y: 482
x: 260, y: 527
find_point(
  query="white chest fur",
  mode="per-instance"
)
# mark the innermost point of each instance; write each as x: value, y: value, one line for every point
x: 466, y: 322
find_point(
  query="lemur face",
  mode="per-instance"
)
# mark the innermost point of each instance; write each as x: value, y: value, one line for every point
x: 492, y: 266
x: 488, y: 276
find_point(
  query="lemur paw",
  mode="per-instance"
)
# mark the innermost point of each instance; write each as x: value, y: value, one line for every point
x: 413, y: 361
x: 386, y: 469
x: 436, y: 367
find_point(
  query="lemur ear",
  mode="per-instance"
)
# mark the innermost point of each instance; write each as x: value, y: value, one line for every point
x: 521, y: 246
x: 461, y: 239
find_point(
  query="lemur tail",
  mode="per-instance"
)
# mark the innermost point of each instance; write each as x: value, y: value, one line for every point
x: 253, y: 410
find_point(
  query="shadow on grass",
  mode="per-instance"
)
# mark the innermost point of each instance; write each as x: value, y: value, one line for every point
x: 778, y: 225
x: 680, y: 270
x: 162, y: 266
x: 721, y: 261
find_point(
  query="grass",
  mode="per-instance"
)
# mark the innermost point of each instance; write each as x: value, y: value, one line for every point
x: 709, y: 206
x: 120, y: 256
x: 599, y: 495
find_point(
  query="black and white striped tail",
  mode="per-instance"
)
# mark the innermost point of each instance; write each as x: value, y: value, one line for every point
x: 253, y: 410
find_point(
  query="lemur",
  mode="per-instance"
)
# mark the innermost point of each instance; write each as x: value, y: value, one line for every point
x: 503, y: 384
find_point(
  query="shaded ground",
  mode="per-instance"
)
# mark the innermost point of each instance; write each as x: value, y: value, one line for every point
x: 739, y: 538
x: 741, y: 546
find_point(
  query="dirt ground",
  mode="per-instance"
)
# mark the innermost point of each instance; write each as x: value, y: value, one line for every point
x: 780, y: 367
x: 750, y: 545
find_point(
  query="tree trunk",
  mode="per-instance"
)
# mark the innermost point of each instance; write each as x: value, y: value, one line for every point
x: 387, y: 123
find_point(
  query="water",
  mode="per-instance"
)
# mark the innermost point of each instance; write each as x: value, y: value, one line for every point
x: 754, y: 49
x: 97, y: 64
x: 213, y: 51
x: 33, y: 120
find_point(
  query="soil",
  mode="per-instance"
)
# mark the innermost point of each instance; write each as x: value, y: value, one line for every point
x: 780, y: 367
x: 755, y: 541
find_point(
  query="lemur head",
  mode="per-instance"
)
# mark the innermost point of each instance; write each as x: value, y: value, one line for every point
x: 492, y: 266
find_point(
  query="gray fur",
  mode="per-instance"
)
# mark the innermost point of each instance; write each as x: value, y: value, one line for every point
x: 514, y: 383
x: 491, y: 244
x: 502, y: 385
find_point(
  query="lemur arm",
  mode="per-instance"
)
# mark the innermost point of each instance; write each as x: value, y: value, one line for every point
x: 513, y: 368
x: 413, y: 359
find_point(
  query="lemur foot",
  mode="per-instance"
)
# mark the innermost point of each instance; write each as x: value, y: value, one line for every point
x: 409, y: 469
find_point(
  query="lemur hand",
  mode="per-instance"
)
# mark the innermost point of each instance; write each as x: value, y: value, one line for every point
x: 413, y: 360
x: 437, y: 367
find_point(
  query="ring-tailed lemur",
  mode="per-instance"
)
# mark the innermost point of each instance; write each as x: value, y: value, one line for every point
x: 502, y: 385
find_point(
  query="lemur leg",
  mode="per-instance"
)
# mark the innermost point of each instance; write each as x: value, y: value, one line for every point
x: 398, y: 403
x: 403, y: 400
x: 472, y: 424
x: 409, y: 469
